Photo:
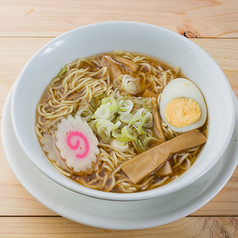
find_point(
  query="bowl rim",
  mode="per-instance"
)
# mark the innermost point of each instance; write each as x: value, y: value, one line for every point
x: 122, y: 196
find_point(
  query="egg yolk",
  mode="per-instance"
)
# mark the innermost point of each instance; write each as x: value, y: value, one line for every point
x: 181, y: 112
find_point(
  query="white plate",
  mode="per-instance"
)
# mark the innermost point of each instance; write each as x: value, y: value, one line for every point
x: 112, y: 214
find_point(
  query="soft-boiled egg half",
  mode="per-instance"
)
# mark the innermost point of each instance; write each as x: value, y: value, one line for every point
x: 182, y: 106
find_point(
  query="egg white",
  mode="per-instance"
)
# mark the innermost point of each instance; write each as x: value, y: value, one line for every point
x: 181, y: 87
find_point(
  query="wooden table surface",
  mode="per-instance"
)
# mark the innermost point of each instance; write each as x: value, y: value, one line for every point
x: 26, y: 25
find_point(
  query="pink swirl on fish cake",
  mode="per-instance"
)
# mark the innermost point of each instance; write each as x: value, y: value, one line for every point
x: 77, y: 144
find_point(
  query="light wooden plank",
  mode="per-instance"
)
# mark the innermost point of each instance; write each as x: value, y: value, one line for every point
x: 14, y: 54
x: 14, y: 200
x: 50, y: 18
x: 224, y: 52
x: 225, y: 202
x: 57, y: 227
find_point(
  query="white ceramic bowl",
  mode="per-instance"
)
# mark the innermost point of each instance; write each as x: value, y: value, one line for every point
x: 151, y: 40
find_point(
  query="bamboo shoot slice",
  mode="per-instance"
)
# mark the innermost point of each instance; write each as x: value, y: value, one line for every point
x: 145, y: 163
x: 165, y: 169
x: 148, y: 94
x: 112, y: 67
x: 157, y: 122
x: 130, y: 64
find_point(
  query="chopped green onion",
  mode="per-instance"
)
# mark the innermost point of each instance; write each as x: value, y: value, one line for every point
x: 123, y: 139
x: 119, y: 145
x: 111, y: 102
x: 125, y: 106
x: 62, y: 72
x: 104, y: 131
x: 149, y: 140
x: 103, y: 112
x: 128, y: 133
x: 130, y: 84
x: 137, y: 121
x: 148, y: 120
x: 102, y: 121
x: 142, y: 131
x: 85, y: 114
x: 126, y: 117
x: 92, y: 124
x: 137, y: 116
x: 116, y: 125
x: 111, y: 117
x: 96, y: 123
x: 120, y: 122
x: 140, y: 112
x: 116, y: 133
x: 149, y: 132
x: 141, y: 145
x: 96, y: 101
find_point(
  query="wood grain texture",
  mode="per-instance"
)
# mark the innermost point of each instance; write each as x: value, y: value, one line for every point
x: 207, y: 18
x: 57, y: 227
x: 21, y: 215
x: 14, y: 199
